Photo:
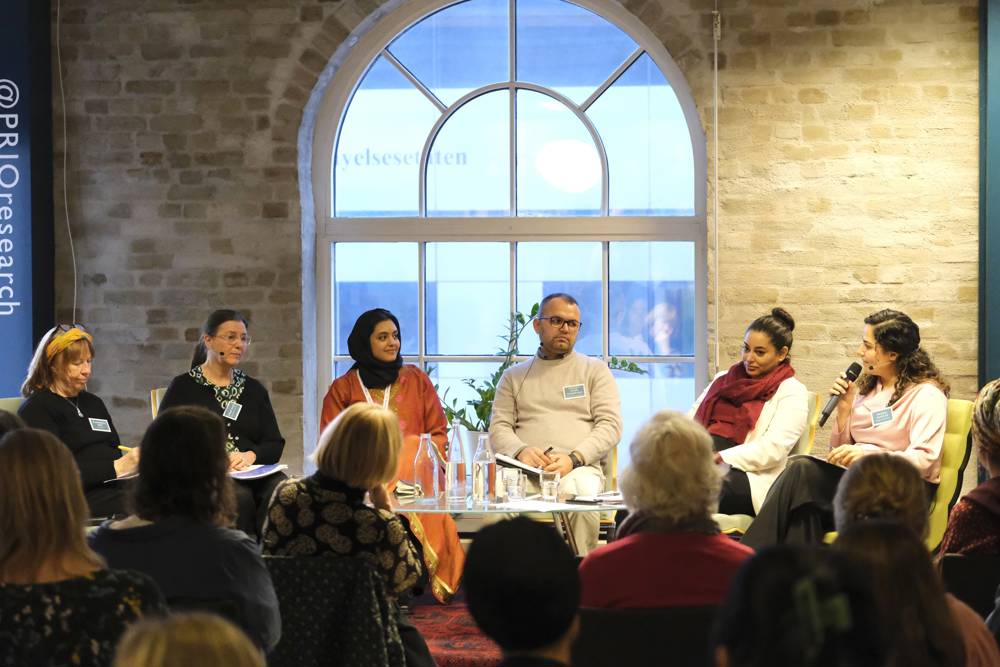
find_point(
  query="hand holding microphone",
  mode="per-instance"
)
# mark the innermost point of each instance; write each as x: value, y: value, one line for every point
x: 842, y: 387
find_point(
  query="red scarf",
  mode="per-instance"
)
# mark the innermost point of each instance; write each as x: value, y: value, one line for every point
x: 734, y: 401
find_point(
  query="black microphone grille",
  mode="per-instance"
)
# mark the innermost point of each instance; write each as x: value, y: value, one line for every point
x: 853, y: 371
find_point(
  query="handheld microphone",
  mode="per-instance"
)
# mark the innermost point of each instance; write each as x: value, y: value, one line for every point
x: 851, y: 374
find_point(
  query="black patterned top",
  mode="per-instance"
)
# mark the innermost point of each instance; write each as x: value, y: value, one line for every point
x: 319, y: 515
x: 73, y: 622
x: 224, y: 395
x: 250, y: 422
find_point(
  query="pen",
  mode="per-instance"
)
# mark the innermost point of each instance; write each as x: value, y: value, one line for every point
x: 546, y: 452
x: 124, y: 448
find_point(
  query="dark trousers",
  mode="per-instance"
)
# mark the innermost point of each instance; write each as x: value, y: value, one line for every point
x: 734, y: 497
x: 106, y: 501
x: 252, y: 499
x: 799, y: 506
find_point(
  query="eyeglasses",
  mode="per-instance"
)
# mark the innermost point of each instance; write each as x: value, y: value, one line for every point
x: 559, y: 322
x: 233, y: 338
x: 63, y: 328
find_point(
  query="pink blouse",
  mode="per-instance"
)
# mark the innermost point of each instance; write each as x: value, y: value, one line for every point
x: 914, y: 428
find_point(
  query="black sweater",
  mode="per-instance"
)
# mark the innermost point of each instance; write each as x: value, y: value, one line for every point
x: 254, y: 430
x: 95, y: 451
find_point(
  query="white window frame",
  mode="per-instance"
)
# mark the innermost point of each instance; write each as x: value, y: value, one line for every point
x: 329, y: 229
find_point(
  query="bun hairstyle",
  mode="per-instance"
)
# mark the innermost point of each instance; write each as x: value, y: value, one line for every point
x: 211, y: 326
x: 778, y: 326
x: 896, y: 332
x: 986, y: 423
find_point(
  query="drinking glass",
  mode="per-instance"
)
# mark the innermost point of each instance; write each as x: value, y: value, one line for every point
x: 550, y: 485
x: 513, y: 482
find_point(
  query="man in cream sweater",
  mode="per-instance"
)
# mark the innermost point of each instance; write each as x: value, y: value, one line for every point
x: 560, y: 411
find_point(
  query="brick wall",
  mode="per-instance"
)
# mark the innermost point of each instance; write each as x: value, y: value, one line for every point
x: 848, y: 175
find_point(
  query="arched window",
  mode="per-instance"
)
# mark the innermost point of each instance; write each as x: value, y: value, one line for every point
x: 471, y: 157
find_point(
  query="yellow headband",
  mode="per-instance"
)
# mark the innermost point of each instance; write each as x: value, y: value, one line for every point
x: 64, y: 340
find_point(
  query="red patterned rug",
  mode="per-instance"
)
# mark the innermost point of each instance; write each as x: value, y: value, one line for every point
x: 453, y: 637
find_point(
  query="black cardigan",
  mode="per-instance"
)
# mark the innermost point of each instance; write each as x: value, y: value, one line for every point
x: 255, y: 429
x: 95, y: 451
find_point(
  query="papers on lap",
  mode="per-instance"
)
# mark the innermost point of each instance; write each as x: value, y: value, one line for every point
x: 257, y: 471
x: 511, y: 462
x: 122, y: 478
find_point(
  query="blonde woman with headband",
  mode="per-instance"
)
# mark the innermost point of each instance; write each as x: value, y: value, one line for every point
x: 974, y: 522
x: 57, y: 401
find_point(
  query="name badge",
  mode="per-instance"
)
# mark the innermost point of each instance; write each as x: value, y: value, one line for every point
x: 574, y: 391
x: 881, y: 416
x: 101, y: 425
x: 232, y: 411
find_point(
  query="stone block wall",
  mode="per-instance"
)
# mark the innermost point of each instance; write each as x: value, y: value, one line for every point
x: 848, y: 175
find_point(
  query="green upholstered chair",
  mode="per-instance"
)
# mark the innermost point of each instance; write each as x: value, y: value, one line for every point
x: 955, y: 455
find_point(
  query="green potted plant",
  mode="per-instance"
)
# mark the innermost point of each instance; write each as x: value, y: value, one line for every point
x: 486, y: 390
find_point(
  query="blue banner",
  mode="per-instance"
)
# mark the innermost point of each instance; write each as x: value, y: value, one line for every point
x: 16, y: 280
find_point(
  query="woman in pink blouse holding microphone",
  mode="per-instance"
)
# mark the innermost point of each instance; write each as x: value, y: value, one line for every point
x: 898, y: 405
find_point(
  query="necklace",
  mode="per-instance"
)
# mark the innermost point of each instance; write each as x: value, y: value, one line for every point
x: 75, y: 404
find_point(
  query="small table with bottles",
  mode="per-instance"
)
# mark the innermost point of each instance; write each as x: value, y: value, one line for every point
x: 559, y: 509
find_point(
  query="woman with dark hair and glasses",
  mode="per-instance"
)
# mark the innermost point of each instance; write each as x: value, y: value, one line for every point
x: 898, y: 405
x: 57, y: 401
x: 380, y: 377
x: 217, y: 384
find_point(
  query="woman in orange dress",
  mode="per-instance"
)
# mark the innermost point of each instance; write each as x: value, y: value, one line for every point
x: 379, y: 376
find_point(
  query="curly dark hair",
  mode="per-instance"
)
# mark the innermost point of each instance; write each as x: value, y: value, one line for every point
x: 896, y: 332
x: 184, y: 469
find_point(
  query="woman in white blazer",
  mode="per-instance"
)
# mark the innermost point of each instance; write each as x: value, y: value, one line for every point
x: 755, y: 412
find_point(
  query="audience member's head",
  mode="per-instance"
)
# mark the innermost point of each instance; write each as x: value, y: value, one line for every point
x: 188, y: 640
x: 881, y: 486
x: 799, y: 607
x: 9, y: 422
x: 986, y: 426
x: 360, y: 447
x: 522, y: 586
x: 42, y: 508
x: 909, y: 594
x: 184, y: 468
x: 672, y: 475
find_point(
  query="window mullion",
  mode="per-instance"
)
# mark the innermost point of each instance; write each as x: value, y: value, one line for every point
x: 421, y: 301
x: 512, y: 129
x: 513, y: 277
x: 605, y: 297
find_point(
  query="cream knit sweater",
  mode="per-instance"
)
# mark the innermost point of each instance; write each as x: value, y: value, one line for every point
x: 567, y: 404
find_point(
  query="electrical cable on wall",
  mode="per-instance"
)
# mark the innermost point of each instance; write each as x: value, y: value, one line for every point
x: 65, y: 140
x: 716, y: 36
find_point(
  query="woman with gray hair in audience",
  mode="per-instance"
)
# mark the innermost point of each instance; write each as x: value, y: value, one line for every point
x: 669, y: 552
